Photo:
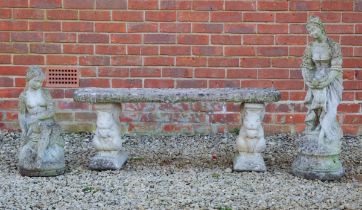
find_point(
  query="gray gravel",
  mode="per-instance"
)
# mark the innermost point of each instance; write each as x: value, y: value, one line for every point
x: 179, y: 172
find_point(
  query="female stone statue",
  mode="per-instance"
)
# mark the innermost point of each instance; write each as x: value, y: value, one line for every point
x: 322, y: 73
x: 42, y: 150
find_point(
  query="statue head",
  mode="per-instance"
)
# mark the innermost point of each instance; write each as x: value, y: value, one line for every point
x: 315, y: 27
x: 35, y: 77
x: 105, y: 124
x: 253, y: 117
x: 33, y: 72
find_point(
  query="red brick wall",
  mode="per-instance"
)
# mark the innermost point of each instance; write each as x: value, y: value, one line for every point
x: 177, y: 44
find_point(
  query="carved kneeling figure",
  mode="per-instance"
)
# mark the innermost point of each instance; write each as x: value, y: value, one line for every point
x: 42, y: 150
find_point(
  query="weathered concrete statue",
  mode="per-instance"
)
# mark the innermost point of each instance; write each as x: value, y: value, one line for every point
x: 250, y: 142
x: 42, y: 150
x: 320, y: 143
x: 107, y: 140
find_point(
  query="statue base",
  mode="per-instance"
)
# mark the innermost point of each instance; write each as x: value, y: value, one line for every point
x: 318, y: 167
x: 42, y: 173
x: 108, y: 161
x: 249, y: 162
x: 318, y: 160
x: 51, y: 164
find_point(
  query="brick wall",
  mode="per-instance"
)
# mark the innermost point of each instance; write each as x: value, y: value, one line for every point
x: 177, y: 44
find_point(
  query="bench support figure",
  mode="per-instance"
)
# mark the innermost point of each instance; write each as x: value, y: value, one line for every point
x: 107, y: 139
x: 250, y: 142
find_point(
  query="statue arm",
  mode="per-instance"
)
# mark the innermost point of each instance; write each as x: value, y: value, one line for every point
x: 336, y: 62
x: 22, y: 114
x: 332, y: 74
x: 50, y: 104
x: 307, y: 65
x: 336, y: 66
x: 50, y: 111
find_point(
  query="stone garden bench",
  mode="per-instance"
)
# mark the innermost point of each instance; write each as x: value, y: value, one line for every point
x: 108, y: 142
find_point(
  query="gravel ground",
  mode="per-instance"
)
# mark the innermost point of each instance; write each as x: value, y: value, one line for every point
x: 179, y: 172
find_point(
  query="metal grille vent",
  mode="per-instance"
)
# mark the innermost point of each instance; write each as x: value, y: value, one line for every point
x: 62, y: 77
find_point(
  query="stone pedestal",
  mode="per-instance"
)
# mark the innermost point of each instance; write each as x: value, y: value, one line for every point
x: 108, y: 160
x: 107, y: 139
x: 250, y: 142
x: 318, y: 158
x: 249, y: 162
x: 42, y: 154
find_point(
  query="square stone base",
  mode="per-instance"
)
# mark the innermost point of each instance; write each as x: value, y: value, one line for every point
x: 249, y: 162
x: 108, y: 161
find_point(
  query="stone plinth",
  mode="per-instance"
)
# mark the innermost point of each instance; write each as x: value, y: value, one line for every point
x: 318, y: 159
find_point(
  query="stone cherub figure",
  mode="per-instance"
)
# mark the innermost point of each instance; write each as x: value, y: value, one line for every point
x: 320, y: 144
x: 107, y: 134
x: 250, y: 142
x: 107, y: 141
x: 42, y: 150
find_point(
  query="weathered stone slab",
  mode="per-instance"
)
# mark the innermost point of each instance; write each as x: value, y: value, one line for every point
x: 133, y: 95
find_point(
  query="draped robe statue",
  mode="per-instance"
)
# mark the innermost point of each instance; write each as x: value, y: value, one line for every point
x: 320, y: 143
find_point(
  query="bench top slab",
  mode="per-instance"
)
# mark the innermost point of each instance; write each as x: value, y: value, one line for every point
x: 128, y: 95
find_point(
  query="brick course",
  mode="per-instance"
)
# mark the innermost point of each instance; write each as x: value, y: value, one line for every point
x: 177, y: 44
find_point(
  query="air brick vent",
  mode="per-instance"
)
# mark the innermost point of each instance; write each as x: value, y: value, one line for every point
x: 62, y: 77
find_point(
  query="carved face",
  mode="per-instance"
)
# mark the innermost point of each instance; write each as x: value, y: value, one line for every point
x: 104, y: 132
x: 252, y: 119
x: 104, y: 124
x: 36, y: 83
x: 314, y: 31
x: 252, y: 122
